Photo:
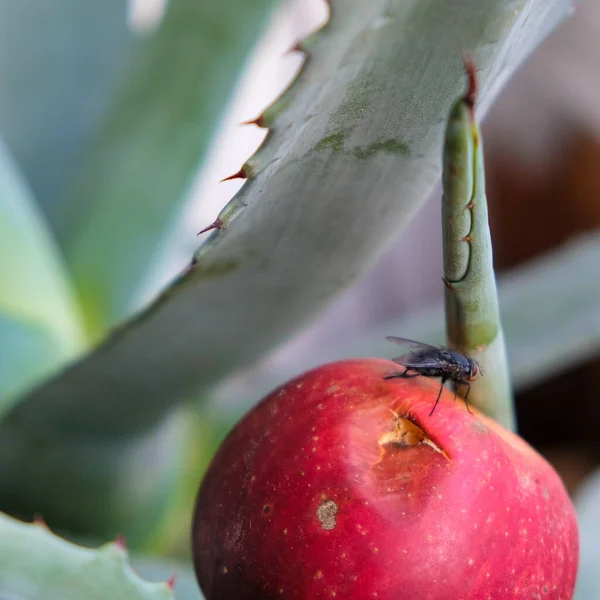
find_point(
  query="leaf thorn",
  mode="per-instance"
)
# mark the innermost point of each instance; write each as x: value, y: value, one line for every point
x: 241, y: 174
x: 39, y: 521
x: 216, y: 224
x: 296, y: 47
x: 258, y: 121
x: 447, y: 283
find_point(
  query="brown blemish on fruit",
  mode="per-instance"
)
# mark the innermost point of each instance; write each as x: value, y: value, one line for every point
x: 407, y: 433
x: 266, y: 509
x: 326, y: 512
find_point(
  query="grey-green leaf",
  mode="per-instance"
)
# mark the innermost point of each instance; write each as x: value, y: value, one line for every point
x: 150, y: 146
x: 37, y: 565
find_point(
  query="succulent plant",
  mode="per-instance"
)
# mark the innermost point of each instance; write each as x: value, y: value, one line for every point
x: 102, y: 393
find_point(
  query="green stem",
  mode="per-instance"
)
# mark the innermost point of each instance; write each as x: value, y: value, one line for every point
x: 472, y: 315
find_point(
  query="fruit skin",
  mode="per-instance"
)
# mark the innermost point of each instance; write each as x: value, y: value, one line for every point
x: 309, y: 497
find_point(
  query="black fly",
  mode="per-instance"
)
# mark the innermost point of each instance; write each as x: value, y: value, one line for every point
x: 436, y: 361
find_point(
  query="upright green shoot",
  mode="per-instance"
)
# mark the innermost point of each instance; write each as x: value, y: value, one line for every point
x: 472, y: 314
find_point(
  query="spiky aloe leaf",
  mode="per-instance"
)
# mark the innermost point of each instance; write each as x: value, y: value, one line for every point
x: 58, y: 64
x: 353, y: 151
x: 37, y: 565
x: 543, y: 339
x: 473, y: 323
x: 150, y: 146
x: 40, y: 326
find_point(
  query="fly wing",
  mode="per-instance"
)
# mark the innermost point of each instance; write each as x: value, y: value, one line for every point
x: 417, y: 360
x: 410, y: 343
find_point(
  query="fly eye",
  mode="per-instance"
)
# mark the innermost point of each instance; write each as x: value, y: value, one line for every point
x: 475, y: 370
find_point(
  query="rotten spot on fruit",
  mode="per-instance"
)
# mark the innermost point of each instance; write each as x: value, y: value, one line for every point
x: 407, y: 433
x: 326, y: 512
x: 266, y: 509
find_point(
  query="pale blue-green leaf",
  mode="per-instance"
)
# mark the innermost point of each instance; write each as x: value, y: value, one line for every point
x: 150, y: 146
x: 58, y: 63
x: 40, y: 326
x: 37, y: 565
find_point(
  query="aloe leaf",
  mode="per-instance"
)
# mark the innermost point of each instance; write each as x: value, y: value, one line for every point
x: 149, y: 148
x: 543, y: 339
x: 40, y: 326
x: 58, y: 65
x: 352, y: 152
x: 473, y: 322
x: 37, y: 565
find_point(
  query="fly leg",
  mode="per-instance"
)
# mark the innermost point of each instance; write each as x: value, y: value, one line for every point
x: 467, y: 394
x: 438, y: 396
x: 402, y: 375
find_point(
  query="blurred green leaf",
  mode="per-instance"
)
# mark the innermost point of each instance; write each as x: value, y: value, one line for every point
x: 92, y: 480
x: 37, y: 565
x: 58, y: 65
x: 29, y: 353
x: 353, y: 150
x: 40, y: 326
x: 150, y: 146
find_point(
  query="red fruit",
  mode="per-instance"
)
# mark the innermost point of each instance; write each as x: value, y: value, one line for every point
x: 340, y: 485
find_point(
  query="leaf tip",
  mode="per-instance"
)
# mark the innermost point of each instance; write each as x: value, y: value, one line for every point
x: 472, y: 85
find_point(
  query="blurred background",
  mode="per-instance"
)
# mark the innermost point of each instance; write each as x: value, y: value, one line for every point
x: 542, y: 143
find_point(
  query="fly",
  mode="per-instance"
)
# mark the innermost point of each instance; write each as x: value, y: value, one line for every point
x: 436, y: 361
